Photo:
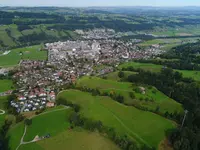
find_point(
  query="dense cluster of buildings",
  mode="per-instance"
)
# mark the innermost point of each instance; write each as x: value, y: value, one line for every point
x: 97, y: 34
x: 95, y: 52
x: 34, y: 99
x: 36, y: 86
x: 39, y: 81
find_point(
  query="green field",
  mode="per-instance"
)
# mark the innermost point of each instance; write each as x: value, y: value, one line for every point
x: 114, y: 75
x: 179, y: 31
x: 14, y: 31
x: 6, y: 85
x: 75, y: 139
x: 6, y: 39
x: 160, y: 41
x: 13, y: 58
x: 157, y: 68
x: 167, y: 44
x: 56, y: 124
x: 53, y: 123
x: 14, y: 135
x: 190, y: 74
x: 4, y: 36
x: 139, y: 125
x: 145, y: 66
x: 124, y: 88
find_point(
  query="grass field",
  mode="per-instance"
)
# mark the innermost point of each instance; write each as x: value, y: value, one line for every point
x: 4, y: 36
x: 6, y: 85
x: 124, y: 88
x: 13, y: 58
x: 114, y: 75
x: 6, y: 39
x: 126, y: 120
x: 14, y: 135
x: 52, y: 123
x: 167, y: 44
x: 145, y: 66
x: 160, y: 41
x: 179, y: 31
x: 14, y: 31
x: 73, y: 140
x: 190, y: 74
x: 57, y: 125
x: 157, y: 68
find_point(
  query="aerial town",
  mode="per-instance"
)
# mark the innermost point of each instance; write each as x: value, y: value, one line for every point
x: 38, y: 81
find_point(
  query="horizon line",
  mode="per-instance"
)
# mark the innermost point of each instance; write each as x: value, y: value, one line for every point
x: 162, y: 6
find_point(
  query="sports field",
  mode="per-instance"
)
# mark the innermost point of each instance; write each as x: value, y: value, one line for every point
x: 138, y: 125
x: 151, y: 99
x: 14, y: 57
x: 6, y: 85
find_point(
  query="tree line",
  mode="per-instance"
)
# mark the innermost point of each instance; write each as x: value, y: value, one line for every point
x: 185, y: 91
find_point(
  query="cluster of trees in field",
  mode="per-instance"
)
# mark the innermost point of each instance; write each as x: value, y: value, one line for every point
x: 183, y: 90
x: 76, y: 119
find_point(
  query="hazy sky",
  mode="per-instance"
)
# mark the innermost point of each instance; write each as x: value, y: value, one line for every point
x: 100, y: 2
